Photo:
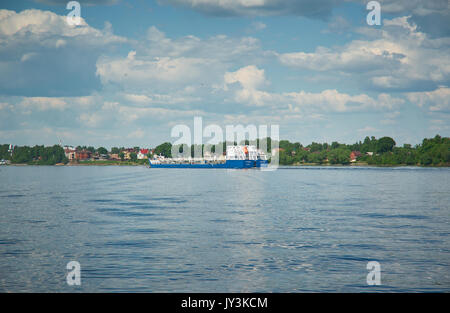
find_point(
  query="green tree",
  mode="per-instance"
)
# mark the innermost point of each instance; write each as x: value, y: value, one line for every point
x: 164, y: 149
x: 339, y: 156
x: 385, y: 144
x: 115, y: 150
x: 314, y: 147
x: 4, y: 152
x: 410, y: 160
x: 285, y: 158
x: 334, y: 145
x: 102, y: 150
x: 426, y: 159
x: 313, y: 158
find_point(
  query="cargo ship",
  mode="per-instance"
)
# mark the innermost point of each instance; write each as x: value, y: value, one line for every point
x: 237, y: 157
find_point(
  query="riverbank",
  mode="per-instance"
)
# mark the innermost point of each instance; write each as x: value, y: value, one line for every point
x: 85, y: 163
x: 129, y: 163
x: 362, y: 164
x: 107, y: 163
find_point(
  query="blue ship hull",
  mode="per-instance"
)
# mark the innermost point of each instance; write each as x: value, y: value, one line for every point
x: 231, y: 164
x: 262, y: 163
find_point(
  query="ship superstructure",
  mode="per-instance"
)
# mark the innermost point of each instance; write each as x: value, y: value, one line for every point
x: 244, y: 156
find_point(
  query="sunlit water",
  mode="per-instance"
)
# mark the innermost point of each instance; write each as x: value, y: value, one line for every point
x: 309, y: 229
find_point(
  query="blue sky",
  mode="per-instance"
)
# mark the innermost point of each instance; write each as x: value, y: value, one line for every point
x: 134, y: 69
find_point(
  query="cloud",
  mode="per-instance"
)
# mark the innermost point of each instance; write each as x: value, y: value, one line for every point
x: 431, y: 16
x: 356, y: 56
x: 437, y: 100
x: 27, y: 56
x: 220, y: 46
x: 439, y: 126
x: 43, y: 103
x: 4, y: 106
x: 368, y: 130
x: 91, y: 119
x: 418, y: 7
x: 399, y: 58
x: 338, y: 24
x: 41, y: 55
x: 162, y: 65
x: 84, y: 2
x: 153, y: 99
x: 320, y: 9
x: 110, y: 105
x: 334, y: 101
x: 29, y: 24
x: 138, y: 133
x: 250, y: 77
x: 390, y: 118
x: 137, y: 98
x: 69, y: 79
x: 159, y: 71
x: 141, y: 116
x: 388, y: 122
x: 256, y: 27
x: 251, y: 80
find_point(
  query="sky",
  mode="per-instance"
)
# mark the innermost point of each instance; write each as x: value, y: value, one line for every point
x: 132, y: 70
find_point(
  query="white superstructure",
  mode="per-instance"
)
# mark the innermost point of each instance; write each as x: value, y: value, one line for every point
x: 232, y: 153
x: 245, y: 153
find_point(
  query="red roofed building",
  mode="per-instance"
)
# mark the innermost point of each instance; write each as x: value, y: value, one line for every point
x: 70, y: 153
x: 354, y: 155
x: 142, y: 154
x: 83, y: 155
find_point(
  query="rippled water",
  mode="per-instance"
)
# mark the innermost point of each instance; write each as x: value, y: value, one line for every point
x: 180, y: 230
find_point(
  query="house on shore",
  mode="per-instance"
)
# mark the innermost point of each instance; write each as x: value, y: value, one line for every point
x: 354, y: 155
x: 127, y: 153
x: 83, y: 155
x: 70, y: 153
x: 114, y: 156
x: 142, y: 154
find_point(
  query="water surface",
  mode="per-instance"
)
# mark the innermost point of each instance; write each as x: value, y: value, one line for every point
x: 135, y: 229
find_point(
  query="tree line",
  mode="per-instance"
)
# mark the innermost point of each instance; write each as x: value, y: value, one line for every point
x: 39, y: 155
x: 383, y: 151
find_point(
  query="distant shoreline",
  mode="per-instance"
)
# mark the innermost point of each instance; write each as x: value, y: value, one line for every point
x: 119, y: 163
x: 362, y: 165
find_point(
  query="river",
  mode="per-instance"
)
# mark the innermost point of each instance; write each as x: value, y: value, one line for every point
x: 296, y: 229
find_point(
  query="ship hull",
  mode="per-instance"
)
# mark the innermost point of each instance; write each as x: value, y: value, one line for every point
x: 230, y: 164
x: 262, y: 163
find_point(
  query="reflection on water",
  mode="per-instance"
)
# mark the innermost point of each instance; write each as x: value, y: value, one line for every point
x: 182, y: 230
